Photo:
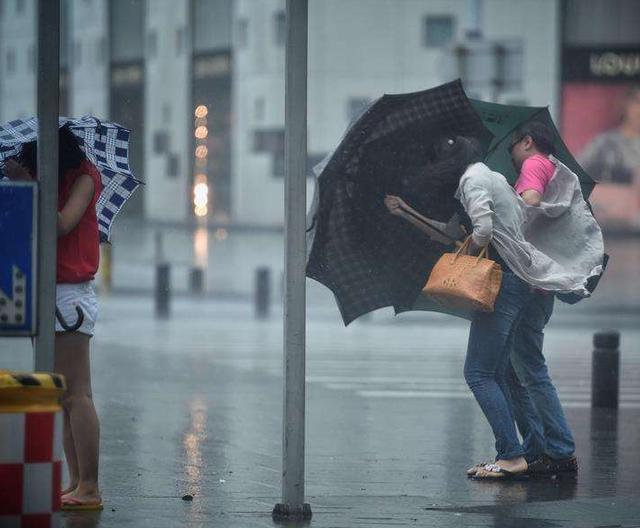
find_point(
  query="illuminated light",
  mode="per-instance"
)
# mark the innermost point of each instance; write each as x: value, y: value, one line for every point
x: 201, y: 246
x: 201, y: 111
x: 201, y: 210
x: 202, y: 151
x: 221, y: 233
x: 201, y: 195
x: 202, y: 132
x: 201, y: 178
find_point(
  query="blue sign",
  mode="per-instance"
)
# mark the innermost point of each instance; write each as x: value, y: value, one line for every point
x: 18, y: 226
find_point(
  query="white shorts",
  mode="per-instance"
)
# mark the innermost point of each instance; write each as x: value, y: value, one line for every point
x: 83, y: 295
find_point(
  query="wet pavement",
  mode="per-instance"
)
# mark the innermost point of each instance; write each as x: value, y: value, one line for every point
x: 193, y: 405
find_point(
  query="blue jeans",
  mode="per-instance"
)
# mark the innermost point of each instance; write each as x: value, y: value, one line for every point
x: 490, y: 342
x: 536, y: 405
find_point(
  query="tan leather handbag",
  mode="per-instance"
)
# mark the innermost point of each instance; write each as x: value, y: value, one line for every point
x: 464, y: 281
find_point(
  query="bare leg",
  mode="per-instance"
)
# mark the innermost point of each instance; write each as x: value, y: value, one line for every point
x: 69, y: 453
x: 72, y: 360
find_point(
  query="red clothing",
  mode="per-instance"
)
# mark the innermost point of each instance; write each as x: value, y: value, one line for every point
x: 79, y: 251
x: 536, y: 173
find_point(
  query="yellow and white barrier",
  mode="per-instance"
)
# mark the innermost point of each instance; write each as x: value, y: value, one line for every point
x: 30, y: 449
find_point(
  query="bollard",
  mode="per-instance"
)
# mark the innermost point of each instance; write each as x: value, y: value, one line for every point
x: 31, y: 425
x: 605, y: 370
x: 262, y: 293
x: 106, y: 260
x: 163, y: 290
x: 196, y: 281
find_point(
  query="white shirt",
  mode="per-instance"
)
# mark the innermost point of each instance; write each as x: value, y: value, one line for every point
x: 556, y: 246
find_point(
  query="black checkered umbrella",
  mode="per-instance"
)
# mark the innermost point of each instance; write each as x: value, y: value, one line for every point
x: 105, y: 144
x: 367, y: 257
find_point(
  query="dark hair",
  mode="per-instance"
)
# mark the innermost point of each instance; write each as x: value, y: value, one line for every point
x: 70, y: 155
x: 456, y: 152
x: 431, y: 189
x: 540, y: 133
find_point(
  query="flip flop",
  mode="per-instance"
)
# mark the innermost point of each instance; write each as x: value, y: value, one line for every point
x: 495, y: 472
x: 74, y: 504
x: 474, y: 469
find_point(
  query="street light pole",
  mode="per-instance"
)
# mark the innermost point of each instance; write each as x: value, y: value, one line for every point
x: 48, y: 105
x: 295, y: 153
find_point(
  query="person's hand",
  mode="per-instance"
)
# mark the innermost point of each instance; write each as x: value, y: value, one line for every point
x: 16, y: 172
x: 473, y: 249
x: 394, y: 204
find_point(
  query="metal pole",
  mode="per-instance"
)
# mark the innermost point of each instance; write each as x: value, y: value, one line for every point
x: 48, y: 104
x: 293, y: 505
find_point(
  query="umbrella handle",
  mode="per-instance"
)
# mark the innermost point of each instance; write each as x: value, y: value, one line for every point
x: 63, y: 322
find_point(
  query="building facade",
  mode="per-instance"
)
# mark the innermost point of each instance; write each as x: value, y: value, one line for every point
x: 201, y: 82
x: 358, y: 51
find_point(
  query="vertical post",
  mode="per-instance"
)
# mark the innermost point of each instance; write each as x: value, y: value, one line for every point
x: 263, y: 292
x: 605, y: 370
x: 163, y: 280
x: 293, y: 505
x: 48, y: 104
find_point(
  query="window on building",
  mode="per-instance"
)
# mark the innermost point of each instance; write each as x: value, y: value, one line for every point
x: 173, y: 165
x: 11, y: 61
x: 438, y: 30
x: 127, y: 37
x: 160, y: 142
x: 243, y: 33
x: 19, y: 6
x: 355, y: 107
x: 271, y: 141
x: 212, y: 25
x: 280, y: 22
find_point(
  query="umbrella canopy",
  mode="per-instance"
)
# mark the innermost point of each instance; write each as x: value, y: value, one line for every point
x: 503, y: 120
x: 367, y: 257
x: 105, y: 144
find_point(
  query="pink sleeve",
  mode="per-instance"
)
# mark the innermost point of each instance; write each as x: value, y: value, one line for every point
x: 535, y: 175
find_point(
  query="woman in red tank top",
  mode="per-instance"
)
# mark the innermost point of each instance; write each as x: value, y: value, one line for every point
x: 77, y: 263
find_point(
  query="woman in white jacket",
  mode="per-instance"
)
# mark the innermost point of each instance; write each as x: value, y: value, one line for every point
x: 499, y: 219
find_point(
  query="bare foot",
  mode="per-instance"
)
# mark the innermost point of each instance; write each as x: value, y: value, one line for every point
x: 85, y: 493
x: 514, y: 465
x: 69, y: 489
x: 474, y: 469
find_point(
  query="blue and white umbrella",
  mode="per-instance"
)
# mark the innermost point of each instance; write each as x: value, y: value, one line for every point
x: 105, y: 144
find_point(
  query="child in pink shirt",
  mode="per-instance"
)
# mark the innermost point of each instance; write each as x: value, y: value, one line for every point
x: 535, y: 175
x: 530, y: 149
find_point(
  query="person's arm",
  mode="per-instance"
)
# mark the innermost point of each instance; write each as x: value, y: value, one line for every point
x: 478, y: 203
x: 531, y: 197
x: 79, y: 199
x: 397, y: 206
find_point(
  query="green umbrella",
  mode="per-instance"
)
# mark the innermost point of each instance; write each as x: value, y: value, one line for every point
x: 502, y: 121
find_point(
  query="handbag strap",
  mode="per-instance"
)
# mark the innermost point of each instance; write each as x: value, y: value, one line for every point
x: 484, y: 252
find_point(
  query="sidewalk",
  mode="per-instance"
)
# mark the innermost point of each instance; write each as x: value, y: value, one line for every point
x: 193, y: 405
